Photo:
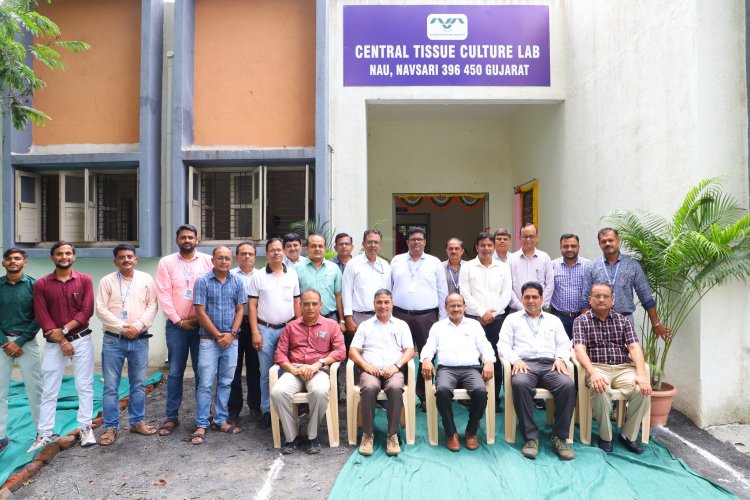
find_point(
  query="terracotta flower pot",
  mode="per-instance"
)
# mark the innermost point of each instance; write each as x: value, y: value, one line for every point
x: 661, y: 403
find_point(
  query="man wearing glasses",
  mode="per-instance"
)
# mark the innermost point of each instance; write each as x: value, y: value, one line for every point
x: 307, y: 348
x: 419, y: 288
x: 343, y: 246
x: 608, y: 350
x: 220, y: 299
x: 531, y: 264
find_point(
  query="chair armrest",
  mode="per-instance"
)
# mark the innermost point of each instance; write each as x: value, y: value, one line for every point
x: 333, y: 376
x: 273, y: 375
x: 506, y: 372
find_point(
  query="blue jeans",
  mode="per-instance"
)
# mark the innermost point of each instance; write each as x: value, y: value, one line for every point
x: 214, y: 359
x: 270, y: 340
x: 114, y: 353
x: 180, y: 343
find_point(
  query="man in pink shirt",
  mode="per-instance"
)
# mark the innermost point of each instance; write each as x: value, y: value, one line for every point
x: 175, y: 278
x: 307, y: 348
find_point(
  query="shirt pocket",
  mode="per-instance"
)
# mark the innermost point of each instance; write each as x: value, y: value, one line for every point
x: 76, y: 301
x: 287, y: 293
x: 540, y: 275
x: 322, y: 344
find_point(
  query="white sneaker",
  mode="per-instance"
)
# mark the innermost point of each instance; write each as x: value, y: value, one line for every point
x: 87, y: 437
x: 40, y: 442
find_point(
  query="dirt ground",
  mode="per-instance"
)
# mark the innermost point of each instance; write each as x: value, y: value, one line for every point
x: 225, y: 466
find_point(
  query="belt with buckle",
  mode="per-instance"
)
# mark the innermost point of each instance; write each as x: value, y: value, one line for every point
x: 271, y: 325
x: 573, y: 314
x: 74, y: 336
x: 144, y: 335
x: 12, y: 334
x: 415, y: 313
x: 364, y: 312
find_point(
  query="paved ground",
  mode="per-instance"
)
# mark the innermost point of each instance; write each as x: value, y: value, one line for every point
x: 247, y: 466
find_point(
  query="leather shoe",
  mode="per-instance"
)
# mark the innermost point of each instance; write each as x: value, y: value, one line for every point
x: 605, y: 445
x: 472, y: 442
x: 632, y: 446
x: 453, y: 443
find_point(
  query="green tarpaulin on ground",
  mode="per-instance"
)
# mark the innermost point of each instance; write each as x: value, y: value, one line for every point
x: 21, y: 428
x: 500, y: 471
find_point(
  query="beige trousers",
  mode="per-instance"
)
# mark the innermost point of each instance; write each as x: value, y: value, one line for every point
x: 317, y: 390
x: 618, y: 377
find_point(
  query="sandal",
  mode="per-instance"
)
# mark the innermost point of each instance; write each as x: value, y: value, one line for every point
x: 198, y: 438
x: 226, y: 428
x: 143, y: 429
x: 168, y: 427
x: 108, y: 437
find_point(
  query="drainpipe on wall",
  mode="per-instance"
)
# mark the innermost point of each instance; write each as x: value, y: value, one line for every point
x: 166, y: 135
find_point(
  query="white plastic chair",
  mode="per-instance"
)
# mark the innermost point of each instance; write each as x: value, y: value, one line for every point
x: 584, y: 406
x: 510, y: 410
x: 354, y: 413
x: 332, y: 413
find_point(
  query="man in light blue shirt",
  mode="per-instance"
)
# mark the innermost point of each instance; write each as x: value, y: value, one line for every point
x: 536, y: 346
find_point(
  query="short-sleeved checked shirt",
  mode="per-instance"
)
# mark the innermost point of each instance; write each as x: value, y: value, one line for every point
x: 606, y: 341
x: 220, y: 299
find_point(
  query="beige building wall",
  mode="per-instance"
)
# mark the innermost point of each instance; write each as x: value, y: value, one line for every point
x: 646, y: 100
x: 95, y: 100
x: 254, y: 73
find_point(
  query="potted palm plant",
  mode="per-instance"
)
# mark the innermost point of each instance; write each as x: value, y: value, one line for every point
x: 705, y: 244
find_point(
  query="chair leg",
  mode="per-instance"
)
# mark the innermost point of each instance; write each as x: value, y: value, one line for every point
x: 490, y: 412
x: 431, y: 411
x: 275, y: 430
x: 646, y: 423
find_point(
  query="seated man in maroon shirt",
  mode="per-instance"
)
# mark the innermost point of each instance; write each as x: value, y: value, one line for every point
x: 307, y: 347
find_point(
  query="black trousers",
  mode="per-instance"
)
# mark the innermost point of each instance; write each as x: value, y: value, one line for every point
x: 492, y: 333
x: 246, y: 353
x: 419, y: 325
x: 469, y: 378
x: 524, y: 389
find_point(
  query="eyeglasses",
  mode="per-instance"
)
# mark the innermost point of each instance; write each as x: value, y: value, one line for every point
x: 310, y: 304
x: 455, y: 306
x: 416, y: 240
x: 223, y: 258
x: 343, y: 244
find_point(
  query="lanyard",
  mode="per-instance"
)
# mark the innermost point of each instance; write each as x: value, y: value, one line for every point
x: 409, y: 263
x: 617, y: 270
x: 454, y: 277
x: 124, y: 298
x: 184, y: 272
x: 534, y: 328
x: 380, y: 264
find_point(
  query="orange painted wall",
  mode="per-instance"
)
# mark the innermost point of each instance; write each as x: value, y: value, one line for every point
x: 96, y: 99
x: 254, y: 73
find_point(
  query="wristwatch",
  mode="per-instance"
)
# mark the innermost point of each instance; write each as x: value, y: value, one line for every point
x: 234, y: 332
x: 322, y: 362
x: 398, y: 365
x: 64, y: 331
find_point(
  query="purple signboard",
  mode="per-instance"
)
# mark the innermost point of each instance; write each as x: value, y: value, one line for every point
x: 410, y: 45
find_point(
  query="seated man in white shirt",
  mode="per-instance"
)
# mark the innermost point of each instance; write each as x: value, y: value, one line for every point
x: 380, y: 348
x: 465, y: 359
x: 536, y: 345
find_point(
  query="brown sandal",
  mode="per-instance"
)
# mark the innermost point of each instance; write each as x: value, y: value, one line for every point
x: 143, y: 429
x: 108, y: 437
x: 226, y: 428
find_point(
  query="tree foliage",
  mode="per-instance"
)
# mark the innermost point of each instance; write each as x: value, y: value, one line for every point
x: 17, y: 78
x: 706, y: 243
